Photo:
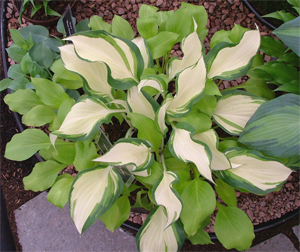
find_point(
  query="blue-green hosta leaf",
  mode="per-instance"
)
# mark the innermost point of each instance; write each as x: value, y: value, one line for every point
x: 92, y: 193
x: 145, y: 51
x: 95, y: 73
x: 153, y: 236
x: 138, y: 103
x: 165, y: 195
x: 59, y: 192
x: 219, y: 160
x: 25, y: 144
x: 289, y: 34
x: 49, y: 92
x: 199, y: 201
x: 185, y: 148
x: 190, y: 84
x: 254, y: 172
x: 192, y: 49
x: 234, y: 228
x: 117, y: 214
x: 42, y: 176
x: 146, y: 129
x: 85, y: 118
x: 274, y: 127
x: 129, y: 151
x: 234, y: 110
x: 122, y: 56
x: 22, y: 100
x: 38, y: 116
x: 236, y: 57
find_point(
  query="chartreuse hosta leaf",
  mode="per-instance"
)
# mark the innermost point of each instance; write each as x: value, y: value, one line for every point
x: 121, y: 56
x: 189, y: 86
x: 191, y: 47
x: 85, y: 153
x: 187, y: 149
x: 165, y: 195
x: 49, y: 92
x: 219, y: 160
x: 234, y: 109
x: 254, y: 172
x: 85, y: 118
x: 199, y: 201
x: 95, y: 73
x: 22, y: 100
x: 226, y: 60
x: 39, y: 116
x: 129, y: 151
x: 233, y: 228
x: 92, y: 193
x: 59, y: 192
x: 25, y: 144
x: 43, y: 175
x: 274, y: 127
x: 153, y: 236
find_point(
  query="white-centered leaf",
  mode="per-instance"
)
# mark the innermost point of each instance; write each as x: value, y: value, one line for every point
x: 165, y: 195
x: 188, y: 150
x: 153, y: 236
x: 117, y: 54
x: 232, y: 58
x: 160, y: 117
x: 141, y: 44
x: 262, y: 173
x: 139, y: 104
x: 92, y: 193
x: 84, y: 117
x: 129, y: 151
x: 234, y: 110
x: 95, y: 73
x: 189, y: 85
x: 192, y: 49
x: 219, y: 160
x: 151, y: 82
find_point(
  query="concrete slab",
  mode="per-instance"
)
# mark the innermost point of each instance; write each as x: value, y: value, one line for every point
x: 45, y: 227
x: 296, y: 230
x: 279, y: 242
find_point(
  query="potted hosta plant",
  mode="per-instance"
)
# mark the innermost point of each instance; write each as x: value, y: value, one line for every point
x: 185, y: 140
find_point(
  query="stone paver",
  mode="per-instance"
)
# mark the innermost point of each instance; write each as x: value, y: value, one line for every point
x: 45, y: 227
x: 297, y: 231
x: 279, y: 242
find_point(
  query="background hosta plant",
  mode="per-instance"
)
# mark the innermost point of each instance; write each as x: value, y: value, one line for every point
x: 176, y: 146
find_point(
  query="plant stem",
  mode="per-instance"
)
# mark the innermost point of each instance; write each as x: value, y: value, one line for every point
x: 129, y: 132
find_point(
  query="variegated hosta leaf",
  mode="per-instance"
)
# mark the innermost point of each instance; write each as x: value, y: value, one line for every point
x: 92, y: 193
x: 254, y: 172
x: 85, y: 117
x: 192, y: 49
x: 95, y: 73
x: 234, y: 109
x: 144, y: 49
x: 153, y: 81
x: 187, y: 149
x: 165, y: 195
x: 139, y: 103
x: 232, y: 58
x: 219, y: 160
x: 189, y: 85
x: 122, y: 56
x: 160, y: 117
x: 153, y: 236
x: 129, y: 151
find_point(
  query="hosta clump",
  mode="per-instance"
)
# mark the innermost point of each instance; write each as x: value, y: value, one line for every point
x: 171, y: 149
